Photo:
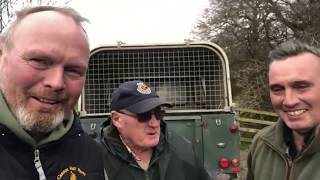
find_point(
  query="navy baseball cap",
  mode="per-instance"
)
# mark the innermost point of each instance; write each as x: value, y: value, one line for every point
x: 135, y: 97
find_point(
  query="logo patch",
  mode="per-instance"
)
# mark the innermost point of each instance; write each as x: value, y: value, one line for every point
x: 71, y: 172
x: 143, y: 88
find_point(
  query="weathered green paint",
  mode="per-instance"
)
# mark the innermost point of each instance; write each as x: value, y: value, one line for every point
x: 216, y: 130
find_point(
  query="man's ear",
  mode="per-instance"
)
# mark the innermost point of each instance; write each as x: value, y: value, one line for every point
x: 115, y: 118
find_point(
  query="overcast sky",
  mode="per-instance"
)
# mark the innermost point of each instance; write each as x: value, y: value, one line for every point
x: 139, y: 21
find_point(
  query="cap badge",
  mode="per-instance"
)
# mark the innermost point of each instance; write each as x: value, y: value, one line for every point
x: 143, y: 88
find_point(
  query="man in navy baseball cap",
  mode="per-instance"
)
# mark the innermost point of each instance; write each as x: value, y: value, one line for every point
x: 135, y: 97
x: 137, y: 142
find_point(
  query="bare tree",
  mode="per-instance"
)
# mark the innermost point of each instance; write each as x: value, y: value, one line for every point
x: 300, y: 16
x: 7, y: 8
x: 5, y: 12
x: 247, y: 30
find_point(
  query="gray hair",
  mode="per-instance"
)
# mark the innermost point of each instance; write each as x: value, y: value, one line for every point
x: 20, y: 15
x: 291, y: 48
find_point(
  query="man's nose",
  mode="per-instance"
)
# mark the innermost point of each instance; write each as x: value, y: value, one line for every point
x: 54, y: 79
x: 154, y: 121
x: 290, y: 98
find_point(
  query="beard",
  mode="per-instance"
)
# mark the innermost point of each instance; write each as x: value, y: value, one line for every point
x: 32, y: 121
x: 38, y: 122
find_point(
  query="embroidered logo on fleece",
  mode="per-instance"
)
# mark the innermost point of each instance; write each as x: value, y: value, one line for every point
x: 71, y: 172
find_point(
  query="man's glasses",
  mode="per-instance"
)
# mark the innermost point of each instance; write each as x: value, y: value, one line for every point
x: 145, y: 117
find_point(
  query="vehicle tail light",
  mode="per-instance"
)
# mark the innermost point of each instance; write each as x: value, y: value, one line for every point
x: 233, y: 128
x: 235, y: 170
x: 224, y: 163
x: 235, y: 162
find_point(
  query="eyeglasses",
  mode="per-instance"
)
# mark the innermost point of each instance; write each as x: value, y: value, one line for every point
x: 145, y: 117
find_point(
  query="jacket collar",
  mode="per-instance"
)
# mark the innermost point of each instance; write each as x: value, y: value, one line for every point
x: 113, y: 143
x: 279, y: 140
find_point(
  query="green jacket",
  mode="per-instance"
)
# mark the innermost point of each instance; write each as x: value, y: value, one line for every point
x: 268, y: 158
x: 172, y: 159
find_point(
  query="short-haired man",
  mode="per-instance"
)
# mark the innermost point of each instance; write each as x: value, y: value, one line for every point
x: 137, y: 143
x: 44, y: 56
x: 290, y: 149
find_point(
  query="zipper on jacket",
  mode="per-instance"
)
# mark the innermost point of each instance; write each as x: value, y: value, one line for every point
x: 290, y: 163
x: 146, y: 175
x: 286, y: 158
x: 37, y: 164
